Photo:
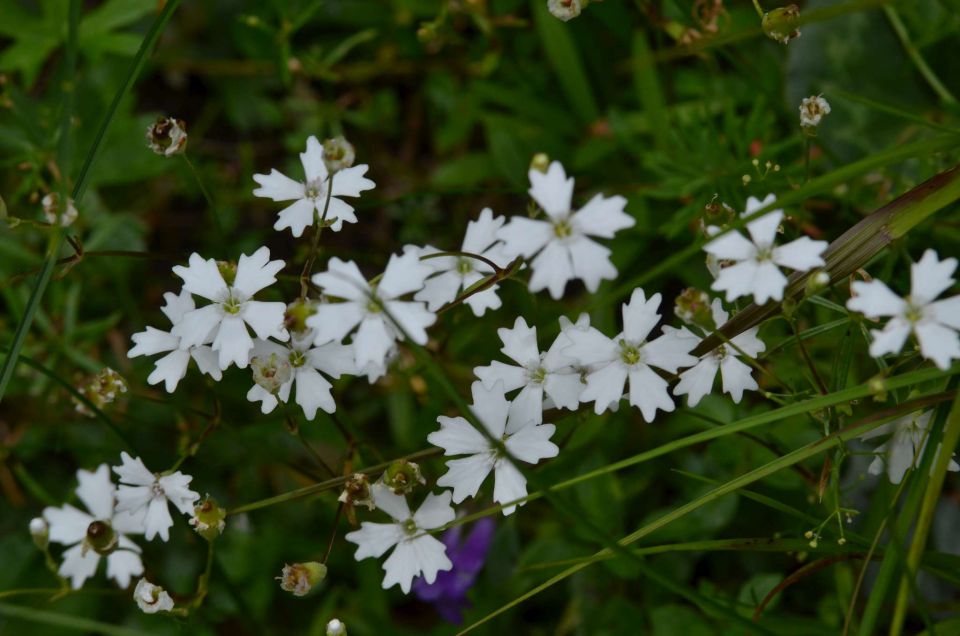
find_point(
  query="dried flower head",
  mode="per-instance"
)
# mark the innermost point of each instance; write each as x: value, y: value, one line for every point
x: 812, y: 110
x: 565, y: 10
x: 152, y: 598
x: 208, y: 519
x: 51, y: 210
x: 402, y: 477
x: 271, y: 371
x: 101, y: 389
x: 300, y: 578
x: 338, y: 154
x: 167, y: 136
x: 356, y: 492
x: 692, y: 306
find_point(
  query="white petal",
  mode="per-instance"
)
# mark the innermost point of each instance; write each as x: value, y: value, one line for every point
x: 482, y: 301
x: 938, y: 343
x: 435, y: 511
x: 124, y: 563
x: 373, y: 539
x: 532, y: 443
x: 524, y: 237
x: 891, y: 339
x: 431, y: 556
x: 552, y: 190
x: 151, y: 342
x: 512, y: 377
x: 697, y: 381
x: 198, y: 326
x: 946, y: 312
x: 333, y: 359
x: 278, y: 186
x: 404, y: 274
x: 338, y: 213
x: 640, y: 315
x: 256, y: 271
x: 603, y: 216
x: 458, y: 437
x: 78, y: 565
x: 268, y: 401
x: 265, y: 318
x: 552, y: 268
x: 202, y: 277
x: 170, y: 369
x: 763, y: 280
x: 96, y: 490
x: 439, y: 290
x: 731, y: 246
x: 133, y: 471
x: 670, y: 351
x: 313, y: 392
x: 372, y: 342
x: 333, y: 321
x: 350, y: 182
x: 749, y: 342
x: 737, y: 378
x: 490, y: 407
x: 391, y: 503
x: 412, y: 317
x: 648, y: 391
x: 874, y: 299
x: 67, y: 524
x: 763, y: 230
x: 482, y: 232
x: 801, y: 254
x: 297, y: 216
x: 207, y: 362
x: 520, y: 343
x: 591, y: 262
x: 526, y: 408
x: 509, y: 485
x: 158, y: 520
x: 343, y: 280
x: 312, y: 160
x: 605, y: 386
x: 930, y: 277
x: 589, y: 346
x: 232, y: 342
x: 176, y: 489
x: 564, y: 389
x: 176, y: 305
x: 754, y: 205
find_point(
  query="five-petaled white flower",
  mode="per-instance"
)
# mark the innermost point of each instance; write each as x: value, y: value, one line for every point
x: 310, y: 197
x: 905, y: 447
x: 456, y: 273
x: 152, y: 598
x: 561, y: 243
x: 171, y: 368
x: 69, y: 526
x: 224, y: 321
x: 416, y: 553
x: 550, y: 373
x: 307, y: 362
x: 757, y: 261
x: 523, y: 440
x: 631, y: 355
x: 373, y: 307
x: 935, y: 323
x: 697, y: 381
x: 142, y: 492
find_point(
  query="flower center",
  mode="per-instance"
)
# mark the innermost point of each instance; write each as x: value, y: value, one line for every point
x: 157, y: 490
x: 232, y: 304
x: 764, y: 254
x: 297, y: 359
x: 913, y: 313
x: 314, y: 189
x: 630, y: 353
x: 464, y: 266
x: 563, y: 228
x: 720, y: 352
x: 538, y: 374
x: 410, y: 527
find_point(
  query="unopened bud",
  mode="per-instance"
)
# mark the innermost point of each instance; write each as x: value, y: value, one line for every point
x: 227, y: 269
x: 100, y: 538
x: 540, y: 162
x: 40, y: 531
x: 152, y: 598
x: 300, y: 578
x: 295, y: 318
x: 338, y: 153
x: 356, y: 492
x: 878, y: 386
x: 841, y: 541
x: 336, y: 627
x: 693, y: 307
x: 718, y: 213
x: 52, y: 211
x: 565, y: 10
x: 167, y: 136
x: 271, y: 372
x: 402, y: 477
x: 808, y: 534
x: 817, y: 282
x: 101, y: 389
x: 781, y: 23
x: 208, y: 519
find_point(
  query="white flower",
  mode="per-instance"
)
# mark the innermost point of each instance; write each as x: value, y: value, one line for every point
x: 152, y: 598
x: 171, y: 368
x: 697, y: 381
x: 416, y: 553
x: 167, y: 136
x: 142, y: 492
x: 905, y: 447
x: 307, y: 362
x: 549, y: 373
x: 336, y: 627
x: 51, y: 210
x: 562, y: 244
x: 935, y: 323
x: 456, y: 273
x: 564, y: 10
x: 310, y: 197
x: 523, y: 440
x: 68, y: 526
x: 758, y: 260
x: 812, y: 110
x: 224, y: 321
x: 631, y: 354
x: 367, y: 305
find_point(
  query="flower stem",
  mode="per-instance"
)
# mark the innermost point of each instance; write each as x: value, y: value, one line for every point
x: 214, y: 211
x: 315, y: 246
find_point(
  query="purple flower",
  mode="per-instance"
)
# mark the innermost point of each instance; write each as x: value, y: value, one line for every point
x: 448, y: 593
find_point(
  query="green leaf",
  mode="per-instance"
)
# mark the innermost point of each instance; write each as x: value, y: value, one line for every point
x: 563, y: 56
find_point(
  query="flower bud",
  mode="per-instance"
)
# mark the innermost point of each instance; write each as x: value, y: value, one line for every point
x: 781, y: 23
x: 336, y: 627
x: 51, y: 210
x: 152, y: 598
x: 300, y: 578
x: 718, y: 213
x: 227, y: 269
x: 540, y: 162
x: 812, y: 110
x: 693, y: 307
x: 565, y: 10
x: 271, y: 372
x: 167, y: 136
x: 402, y: 477
x: 356, y: 492
x: 295, y: 318
x: 100, y: 538
x: 208, y: 519
x: 102, y: 389
x: 338, y: 154
x: 817, y: 282
x: 788, y: 306
x: 40, y: 531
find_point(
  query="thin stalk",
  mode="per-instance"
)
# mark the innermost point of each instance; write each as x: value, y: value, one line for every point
x: 315, y: 245
x: 928, y: 75
x: 214, y: 211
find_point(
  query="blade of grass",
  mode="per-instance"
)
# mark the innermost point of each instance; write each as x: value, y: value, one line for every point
x: 55, y: 619
x: 562, y: 54
x: 43, y: 279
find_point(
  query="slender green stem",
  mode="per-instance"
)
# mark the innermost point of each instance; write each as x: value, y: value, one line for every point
x: 203, y: 582
x: 214, y: 210
x: 756, y: 5
x: 315, y: 246
x: 928, y: 75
